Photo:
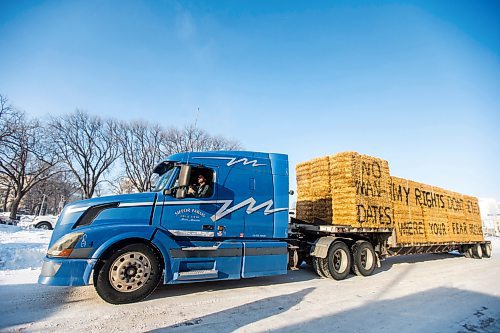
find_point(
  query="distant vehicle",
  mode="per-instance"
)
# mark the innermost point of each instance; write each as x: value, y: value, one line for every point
x: 5, y: 218
x: 46, y: 222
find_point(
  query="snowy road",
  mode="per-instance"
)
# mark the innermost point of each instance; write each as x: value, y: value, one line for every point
x: 428, y: 293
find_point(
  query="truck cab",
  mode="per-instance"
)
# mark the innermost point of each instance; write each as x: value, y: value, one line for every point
x: 127, y: 244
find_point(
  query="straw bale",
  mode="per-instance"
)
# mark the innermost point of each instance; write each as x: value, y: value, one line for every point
x: 408, y: 216
x: 357, y: 190
x: 360, y: 190
x: 436, y: 222
x: 303, y: 181
x: 473, y: 218
x: 456, y: 217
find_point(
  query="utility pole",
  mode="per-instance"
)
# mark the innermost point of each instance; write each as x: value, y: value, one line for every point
x: 41, y: 206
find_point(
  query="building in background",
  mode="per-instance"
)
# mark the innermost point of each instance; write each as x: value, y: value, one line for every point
x: 490, y: 216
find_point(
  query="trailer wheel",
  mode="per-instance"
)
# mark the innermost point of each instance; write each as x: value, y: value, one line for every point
x: 477, y: 252
x: 364, y: 257
x: 129, y: 275
x: 317, y: 267
x: 339, y: 260
x: 468, y: 251
x: 486, y: 250
x: 323, y: 266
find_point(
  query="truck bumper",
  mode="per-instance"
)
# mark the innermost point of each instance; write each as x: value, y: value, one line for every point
x: 66, y: 272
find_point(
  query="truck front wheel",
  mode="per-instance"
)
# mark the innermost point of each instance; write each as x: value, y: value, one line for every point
x: 130, y: 274
x: 364, y: 258
x: 339, y: 260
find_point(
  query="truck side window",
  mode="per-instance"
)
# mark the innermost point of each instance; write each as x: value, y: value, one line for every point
x: 201, y: 183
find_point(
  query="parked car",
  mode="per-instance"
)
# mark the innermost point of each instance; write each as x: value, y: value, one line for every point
x: 5, y: 218
x: 46, y: 222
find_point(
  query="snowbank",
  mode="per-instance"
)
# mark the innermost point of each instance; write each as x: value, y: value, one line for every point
x: 22, y: 248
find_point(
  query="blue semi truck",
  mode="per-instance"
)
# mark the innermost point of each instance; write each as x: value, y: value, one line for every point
x: 125, y: 245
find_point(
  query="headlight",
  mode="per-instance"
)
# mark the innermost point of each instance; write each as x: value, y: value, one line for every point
x: 64, y: 246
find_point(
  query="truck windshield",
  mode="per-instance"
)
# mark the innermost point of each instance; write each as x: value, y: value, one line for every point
x: 163, y: 180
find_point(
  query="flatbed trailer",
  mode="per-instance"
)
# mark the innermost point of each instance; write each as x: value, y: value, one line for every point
x: 311, y: 242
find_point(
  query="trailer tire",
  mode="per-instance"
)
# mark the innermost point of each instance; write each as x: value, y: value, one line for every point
x: 468, y: 251
x: 317, y: 267
x: 364, y: 258
x: 323, y: 266
x: 339, y: 260
x: 129, y: 274
x: 486, y: 250
x: 477, y: 251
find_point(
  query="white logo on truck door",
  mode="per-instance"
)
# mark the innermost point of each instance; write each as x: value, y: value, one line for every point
x: 225, y: 210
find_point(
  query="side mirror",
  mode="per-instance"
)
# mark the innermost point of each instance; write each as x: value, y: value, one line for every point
x: 184, y: 175
x: 183, y: 181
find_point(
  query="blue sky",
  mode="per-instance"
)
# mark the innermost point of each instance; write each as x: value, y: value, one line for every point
x: 416, y: 83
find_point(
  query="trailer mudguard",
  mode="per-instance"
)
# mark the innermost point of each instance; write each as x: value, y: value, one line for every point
x: 321, y: 246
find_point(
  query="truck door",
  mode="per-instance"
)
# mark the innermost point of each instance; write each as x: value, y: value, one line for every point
x: 191, y: 216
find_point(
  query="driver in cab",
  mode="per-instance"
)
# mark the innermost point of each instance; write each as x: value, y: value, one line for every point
x: 201, y: 190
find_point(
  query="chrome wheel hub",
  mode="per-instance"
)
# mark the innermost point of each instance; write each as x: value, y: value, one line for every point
x: 340, y: 261
x: 129, y: 272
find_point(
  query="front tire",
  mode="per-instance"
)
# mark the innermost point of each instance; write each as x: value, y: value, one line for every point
x: 44, y: 226
x: 130, y: 274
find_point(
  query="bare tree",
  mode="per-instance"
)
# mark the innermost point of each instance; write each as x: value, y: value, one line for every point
x: 8, y: 118
x: 54, y: 192
x: 87, y: 146
x: 193, y: 138
x: 5, y: 194
x: 26, y: 157
x: 5, y: 106
x: 143, y: 145
x: 5, y: 130
x: 141, y: 148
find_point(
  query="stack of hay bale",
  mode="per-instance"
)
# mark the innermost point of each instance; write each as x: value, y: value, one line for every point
x: 357, y: 190
x: 348, y: 188
x: 408, y: 214
x: 427, y: 214
x: 456, y: 216
x: 473, y: 218
x: 320, y: 188
x: 432, y: 199
x: 360, y: 190
x: 304, y: 192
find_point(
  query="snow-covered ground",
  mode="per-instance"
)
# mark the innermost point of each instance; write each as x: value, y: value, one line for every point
x: 22, y: 248
x: 426, y: 293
